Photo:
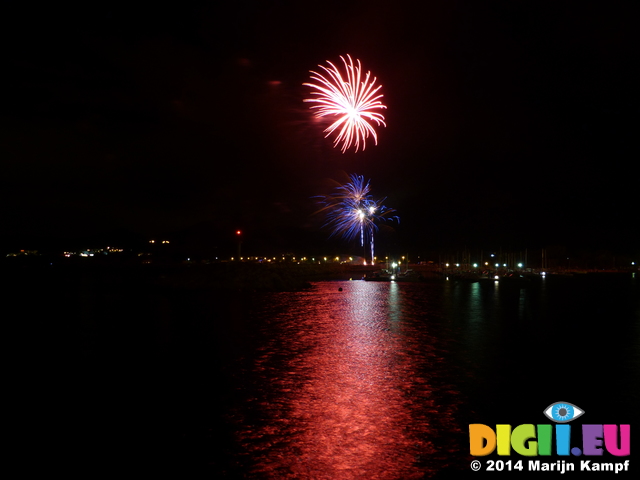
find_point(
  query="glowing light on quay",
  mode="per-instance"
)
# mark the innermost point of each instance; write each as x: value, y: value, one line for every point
x: 352, y: 100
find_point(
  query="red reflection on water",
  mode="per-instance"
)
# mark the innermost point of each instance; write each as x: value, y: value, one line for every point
x: 347, y: 397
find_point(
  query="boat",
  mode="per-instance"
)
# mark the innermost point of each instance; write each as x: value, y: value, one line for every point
x: 514, y: 278
x: 409, y: 276
x: 388, y: 276
x: 379, y: 276
x: 464, y: 276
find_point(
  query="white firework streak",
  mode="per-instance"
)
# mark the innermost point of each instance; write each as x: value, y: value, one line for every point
x: 353, y: 100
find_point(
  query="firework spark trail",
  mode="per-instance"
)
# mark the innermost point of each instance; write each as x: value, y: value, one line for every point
x: 351, y: 211
x: 353, y: 100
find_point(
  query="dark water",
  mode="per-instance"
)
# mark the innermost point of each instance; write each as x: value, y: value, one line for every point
x: 379, y: 380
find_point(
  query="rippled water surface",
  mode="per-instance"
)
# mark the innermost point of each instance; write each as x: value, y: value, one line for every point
x: 380, y: 380
x: 346, y: 380
x: 352, y: 384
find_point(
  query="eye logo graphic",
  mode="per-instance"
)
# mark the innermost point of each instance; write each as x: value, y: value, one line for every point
x: 562, y: 412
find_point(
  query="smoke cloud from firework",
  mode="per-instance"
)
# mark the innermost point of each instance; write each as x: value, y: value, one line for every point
x: 351, y: 211
x: 353, y: 101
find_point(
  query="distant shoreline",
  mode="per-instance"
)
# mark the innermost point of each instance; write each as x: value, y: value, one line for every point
x: 224, y: 276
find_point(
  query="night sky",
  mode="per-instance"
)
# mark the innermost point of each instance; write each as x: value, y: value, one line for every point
x: 508, y: 123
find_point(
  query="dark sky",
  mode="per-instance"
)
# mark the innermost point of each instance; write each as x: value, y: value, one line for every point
x: 508, y: 123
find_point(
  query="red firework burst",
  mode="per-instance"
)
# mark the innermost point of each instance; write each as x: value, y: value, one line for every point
x: 352, y: 99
